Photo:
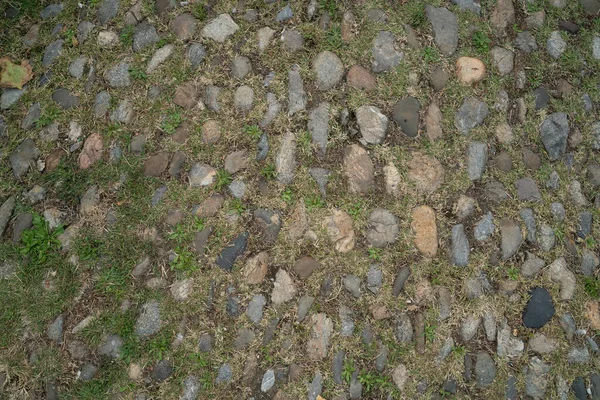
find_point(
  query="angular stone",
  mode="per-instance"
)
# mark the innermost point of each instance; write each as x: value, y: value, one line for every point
x: 234, y: 249
x: 318, y: 127
x: 503, y: 59
x: 149, y: 321
x: 285, y: 163
x: 144, y: 36
x: 406, y: 115
x: 470, y: 114
x: 511, y: 238
x: 477, y: 155
x: 318, y: 344
x: 554, y: 132
x: 559, y: 273
x: 340, y: 230
x: 425, y: 172
x: 372, y: 123
x: 424, y: 226
x: 358, y: 168
x: 385, y: 55
x: 296, y: 94
x: 220, y: 28
x: 184, y: 26
x: 360, y: 78
x: 445, y: 28
x: 460, y: 246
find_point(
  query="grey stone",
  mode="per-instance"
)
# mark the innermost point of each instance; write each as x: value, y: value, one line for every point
x: 212, y: 97
x: 52, y: 10
x: 255, y: 308
x: 33, y: 114
x: 558, y: 211
x: 328, y: 69
x: 485, y: 370
x: 503, y: 59
x: 111, y: 346
x: 240, y: 67
x: 529, y: 219
x: 578, y: 388
x: 352, y: 284
x: 118, y: 75
x: 87, y: 372
x: 542, y: 97
x: 460, y: 246
x: 10, y: 97
x: 577, y: 195
x: 385, y: 55
x: 77, y: 67
x: 237, y: 188
x: 508, y: 345
x: 374, y: 279
x: 316, y: 386
x: 347, y: 322
x: 65, y: 99
x: 589, y: 262
x: 355, y: 389
x: 527, y: 190
x: 383, y: 228
x: 470, y: 114
x: 273, y: 108
x: 233, y: 309
x: 149, y: 321
x: 404, y: 329
x: 525, y: 41
x: 262, y: 147
x: 406, y: 115
x: 195, y: 54
x: 477, y: 156
x: 318, y: 126
x: 205, y: 343
x: 552, y: 182
x: 52, y: 52
x: 293, y: 40
x: 321, y: 176
x: 191, y: 388
x: 372, y: 123
x: 3, y: 127
x: 536, y: 380
x: 268, y: 381
x: 469, y: 327
x: 511, y: 238
x: 297, y: 97
x: 556, y: 45
x: 304, y: 305
x: 243, y: 98
x: 547, y: 239
x: 159, y: 57
x: 542, y: 344
x: 228, y: 256
x: 584, y: 228
x: 108, y: 10
x: 470, y: 5
x: 162, y: 371
x: 539, y: 309
x: 36, y: 194
x: 578, y: 355
x: 285, y: 163
x: 445, y: 28
x: 144, y: 35
x: 284, y: 14
x: 24, y: 155
x: 338, y: 366
x: 101, y: 104
x: 83, y: 30
x: 123, y: 113
x: 596, y: 47
x: 484, y: 228
x: 445, y: 350
x: 220, y: 28
x: 55, y: 330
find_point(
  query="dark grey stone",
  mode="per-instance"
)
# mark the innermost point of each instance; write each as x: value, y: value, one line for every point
x: 406, y: 115
x: 337, y: 367
x: 108, y: 10
x: 539, y: 309
x: 52, y: 10
x: 33, y: 114
x: 460, y: 246
x: 65, y: 99
x: 144, y: 35
x: 470, y: 114
x: 445, y: 28
x: 477, y: 156
x: 584, y: 228
x: 529, y: 219
x: 52, y: 52
x: 542, y: 97
x: 400, y: 281
x: 554, y: 132
x: 162, y: 371
x: 24, y: 155
x: 227, y: 257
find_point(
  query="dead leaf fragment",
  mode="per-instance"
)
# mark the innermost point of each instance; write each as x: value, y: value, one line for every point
x: 13, y: 75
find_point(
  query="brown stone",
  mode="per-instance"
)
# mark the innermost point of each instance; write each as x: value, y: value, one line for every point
x: 53, y: 159
x: 210, y: 206
x: 236, y: 161
x: 503, y: 161
x: 531, y: 159
x: 425, y: 172
x: 358, y: 168
x: 296, y: 372
x: 187, y: 95
x: 305, y: 266
x: 433, y: 122
x: 182, y: 133
x: 347, y: 26
x: 503, y: 16
x: 184, y: 26
x: 256, y: 268
x: 593, y: 313
x: 340, y: 231
x: 298, y: 223
x: 174, y: 217
x: 360, y: 78
x: 317, y: 346
x: 469, y: 70
x: 425, y: 229
x: 157, y: 164
x: 92, y: 151
x: 211, y: 132
x: 379, y: 312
